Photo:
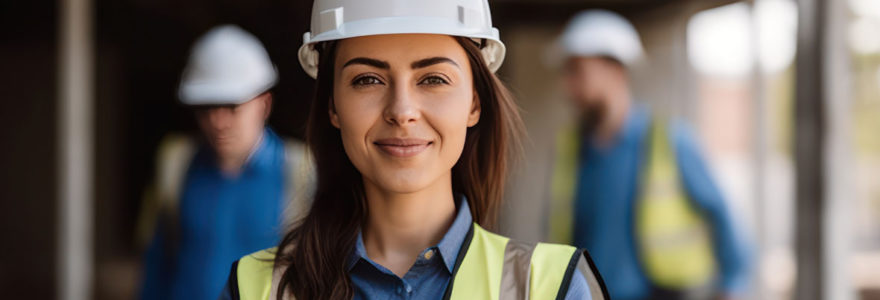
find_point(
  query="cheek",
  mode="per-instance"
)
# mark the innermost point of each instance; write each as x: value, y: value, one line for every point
x: 449, y: 118
x: 204, y: 125
x: 248, y: 125
x: 356, y: 117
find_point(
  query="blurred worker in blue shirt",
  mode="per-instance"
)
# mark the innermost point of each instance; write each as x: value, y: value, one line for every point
x: 633, y: 188
x: 223, y: 197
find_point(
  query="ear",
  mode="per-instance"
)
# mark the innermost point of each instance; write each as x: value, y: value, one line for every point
x: 334, y: 117
x: 267, y: 105
x: 474, y: 115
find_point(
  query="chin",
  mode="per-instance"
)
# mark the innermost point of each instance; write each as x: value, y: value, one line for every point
x: 226, y: 150
x: 403, y: 182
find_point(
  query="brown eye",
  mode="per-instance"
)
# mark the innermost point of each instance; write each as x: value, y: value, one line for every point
x: 433, y: 80
x: 365, y: 81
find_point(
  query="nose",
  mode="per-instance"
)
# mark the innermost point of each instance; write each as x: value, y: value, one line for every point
x: 402, y: 107
x: 220, y: 118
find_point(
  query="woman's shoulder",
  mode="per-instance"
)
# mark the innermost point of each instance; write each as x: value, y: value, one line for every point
x: 580, y: 279
x: 560, y: 269
x: 253, y: 275
x: 261, y: 255
x: 258, y: 266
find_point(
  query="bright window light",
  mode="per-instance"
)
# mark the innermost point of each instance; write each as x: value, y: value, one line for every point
x: 864, y: 35
x: 865, y: 8
x: 719, y: 41
x: 776, y: 21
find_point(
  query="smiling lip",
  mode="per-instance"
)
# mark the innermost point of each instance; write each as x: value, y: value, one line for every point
x: 222, y: 139
x: 402, y: 147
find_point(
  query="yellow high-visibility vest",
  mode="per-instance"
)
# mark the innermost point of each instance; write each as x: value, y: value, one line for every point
x: 674, y: 243
x: 162, y: 197
x: 491, y: 267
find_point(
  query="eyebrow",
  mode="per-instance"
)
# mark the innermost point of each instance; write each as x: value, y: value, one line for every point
x: 384, y: 65
x: 367, y: 61
x: 432, y: 61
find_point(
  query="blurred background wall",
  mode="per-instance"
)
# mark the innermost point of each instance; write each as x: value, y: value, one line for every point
x: 28, y: 199
x: 731, y: 68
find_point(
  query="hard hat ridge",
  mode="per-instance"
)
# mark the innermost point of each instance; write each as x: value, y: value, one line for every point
x: 600, y: 33
x: 341, y: 19
x: 227, y: 65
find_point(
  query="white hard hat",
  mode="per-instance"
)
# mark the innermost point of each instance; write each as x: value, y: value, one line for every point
x: 227, y: 66
x: 601, y: 33
x: 340, y: 19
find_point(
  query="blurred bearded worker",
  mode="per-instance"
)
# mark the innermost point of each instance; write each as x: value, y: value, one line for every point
x: 216, y: 200
x: 633, y: 189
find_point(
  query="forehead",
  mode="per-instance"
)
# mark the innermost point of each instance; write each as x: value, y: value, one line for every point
x: 590, y: 62
x: 401, y: 48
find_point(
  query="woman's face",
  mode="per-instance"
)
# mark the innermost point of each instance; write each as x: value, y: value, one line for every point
x: 403, y: 104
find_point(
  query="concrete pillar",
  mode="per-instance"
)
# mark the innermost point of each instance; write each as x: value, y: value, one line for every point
x: 75, y: 143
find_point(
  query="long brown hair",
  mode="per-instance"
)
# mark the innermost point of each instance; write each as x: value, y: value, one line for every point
x: 317, y: 249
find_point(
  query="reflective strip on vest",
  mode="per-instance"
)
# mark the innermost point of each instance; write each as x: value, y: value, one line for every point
x: 492, y: 267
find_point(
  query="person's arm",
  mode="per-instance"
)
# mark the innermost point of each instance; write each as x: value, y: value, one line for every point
x: 730, y: 246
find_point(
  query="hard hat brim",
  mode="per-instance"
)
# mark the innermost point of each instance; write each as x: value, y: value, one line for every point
x: 493, y: 51
x: 222, y: 93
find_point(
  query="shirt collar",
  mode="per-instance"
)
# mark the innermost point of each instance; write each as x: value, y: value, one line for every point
x: 448, y: 247
x: 259, y: 156
x: 454, y: 238
x: 636, y: 119
x: 267, y: 152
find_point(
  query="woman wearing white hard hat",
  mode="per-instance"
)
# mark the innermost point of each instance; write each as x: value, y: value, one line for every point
x: 411, y: 133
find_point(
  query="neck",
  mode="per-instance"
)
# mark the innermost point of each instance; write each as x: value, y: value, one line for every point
x: 231, y: 165
x: 400, y: 226
x: 618, y: 101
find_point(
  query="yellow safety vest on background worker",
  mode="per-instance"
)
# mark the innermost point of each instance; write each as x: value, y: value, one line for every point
x: 673, y: 238
x: 492, y: 267
x: 162, y: 196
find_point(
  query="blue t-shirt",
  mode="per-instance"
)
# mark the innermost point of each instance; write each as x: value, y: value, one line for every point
x: 220, y: 219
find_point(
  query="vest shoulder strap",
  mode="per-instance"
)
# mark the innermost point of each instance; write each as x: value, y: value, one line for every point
x: 562, y: 185
x: 553, y: 267
x: 255, y: 275
x: 496, y: 267
x: 299, y: 179
x: 478, y: 274
x: 163, y: 194
x: 550, y: 265
x: 675, y: 244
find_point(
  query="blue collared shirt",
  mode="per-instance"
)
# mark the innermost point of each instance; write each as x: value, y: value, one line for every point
x: 606, y: 195
x: 429, y: 276
x: 220, y: 219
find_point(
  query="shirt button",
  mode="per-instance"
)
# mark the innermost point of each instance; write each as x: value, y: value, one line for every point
x: 429, y: 254
x: 409, y: 289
